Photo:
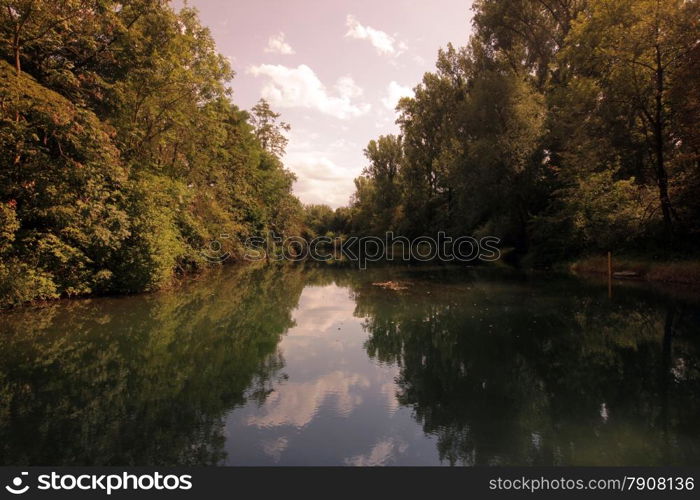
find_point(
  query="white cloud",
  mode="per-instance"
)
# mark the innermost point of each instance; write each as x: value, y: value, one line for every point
x: 394, y: 92
x: 419, y: 60
x: 384, y: 43
x: 320, y: 179
x: 342, y: 144
x: 278, y: 45
x: 300, y: 88
x: 382, y: 453
x: 275, y: 447
x: 347, y: 88
x: 296, y: 403
x: 321, y: 310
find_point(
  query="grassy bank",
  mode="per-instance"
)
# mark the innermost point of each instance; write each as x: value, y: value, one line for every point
x: 686, y: 272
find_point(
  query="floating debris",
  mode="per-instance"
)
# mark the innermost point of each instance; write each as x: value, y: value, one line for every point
x: 626, y: 275
x: 391, y: 285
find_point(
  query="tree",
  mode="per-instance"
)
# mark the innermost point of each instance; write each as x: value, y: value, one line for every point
x: 124, y: 153
x: 632, y: 48
x: 385, y: 156
x: 269, y: 132
x: 25, y: 22
x: 552, y: 129
x: 62, y: 180
x: 527, y: 33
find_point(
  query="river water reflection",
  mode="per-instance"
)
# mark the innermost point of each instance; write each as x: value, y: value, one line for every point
x: 295, y: 366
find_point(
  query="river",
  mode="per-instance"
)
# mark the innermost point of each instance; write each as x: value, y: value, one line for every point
x: 319, y: 366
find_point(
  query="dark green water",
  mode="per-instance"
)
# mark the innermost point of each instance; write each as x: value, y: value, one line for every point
x: 294, y: 366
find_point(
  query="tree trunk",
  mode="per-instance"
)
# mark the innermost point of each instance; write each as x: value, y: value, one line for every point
x: 659, y: 125
x: 662, y: 182
x: 16, y: 50
x: 18, y: 70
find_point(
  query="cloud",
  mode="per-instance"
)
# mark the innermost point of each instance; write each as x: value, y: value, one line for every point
x: 300, y: 88
x: 320, y: 179
x: 275, y: 447
x: 382, y: 453
x: 394, y: 93
x: 321, y: 310
x: 296, y: 403
x: 384, y: 43
x: 347, y: 88
x: 278, y: 45
x: 419, y: 60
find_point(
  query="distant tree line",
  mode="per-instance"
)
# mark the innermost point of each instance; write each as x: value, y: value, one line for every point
x: 564, y: 127
x: 122, y: 152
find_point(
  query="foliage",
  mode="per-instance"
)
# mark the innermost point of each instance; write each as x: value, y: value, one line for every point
x: 123, y: 154
x: 563, y: 128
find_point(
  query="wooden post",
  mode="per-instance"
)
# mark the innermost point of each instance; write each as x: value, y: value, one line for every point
x: 610, y: 275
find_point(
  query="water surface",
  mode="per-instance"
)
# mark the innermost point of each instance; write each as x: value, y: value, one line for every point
x: 314, y: 366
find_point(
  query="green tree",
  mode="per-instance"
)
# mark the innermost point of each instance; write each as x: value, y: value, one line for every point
x: 269, y: 132
x: 632, y: 49
x: 125, y: 155
x: 61, y: 180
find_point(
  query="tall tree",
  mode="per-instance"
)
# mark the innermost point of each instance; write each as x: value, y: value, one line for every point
x: 268, y: 130
x: 632, y: 49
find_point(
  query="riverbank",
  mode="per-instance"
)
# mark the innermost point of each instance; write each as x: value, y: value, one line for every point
x: 178, y: 279
x: 682, y: 272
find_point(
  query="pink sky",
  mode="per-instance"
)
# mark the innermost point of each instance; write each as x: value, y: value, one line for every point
x: 334, y: 70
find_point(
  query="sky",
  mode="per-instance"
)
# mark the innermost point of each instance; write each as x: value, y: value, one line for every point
x: 334, y: 69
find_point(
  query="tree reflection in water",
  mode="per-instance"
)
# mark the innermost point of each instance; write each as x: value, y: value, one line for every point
x: 141, y: 380
x: 503, y: 375
x: 496, y: 369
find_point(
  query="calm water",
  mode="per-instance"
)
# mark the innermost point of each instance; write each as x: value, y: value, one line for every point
x: 298, y: 366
